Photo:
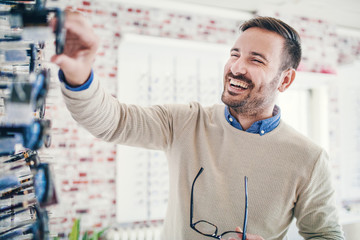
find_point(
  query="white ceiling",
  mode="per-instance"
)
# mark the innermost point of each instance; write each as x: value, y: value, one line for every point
x: 344, y: 13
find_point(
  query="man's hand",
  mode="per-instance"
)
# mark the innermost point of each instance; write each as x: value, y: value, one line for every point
x: 80, y: 49
x: 248, y: 235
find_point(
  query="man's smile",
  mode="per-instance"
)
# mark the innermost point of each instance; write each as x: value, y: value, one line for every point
x: 238, y: 83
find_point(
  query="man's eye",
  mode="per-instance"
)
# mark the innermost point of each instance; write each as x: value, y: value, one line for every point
x: 257, y: 60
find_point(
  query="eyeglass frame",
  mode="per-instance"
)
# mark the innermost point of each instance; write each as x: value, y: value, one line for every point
x: 44, y: 192
x: 215, y: 235
x: 39, y: 228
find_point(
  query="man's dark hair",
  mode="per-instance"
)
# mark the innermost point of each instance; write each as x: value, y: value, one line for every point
x: 292, y: 46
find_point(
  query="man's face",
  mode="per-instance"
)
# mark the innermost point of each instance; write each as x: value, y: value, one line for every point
x: 251, y: 75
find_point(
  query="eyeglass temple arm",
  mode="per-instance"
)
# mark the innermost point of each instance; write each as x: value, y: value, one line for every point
x: 246, y: 209
x: 192, y: 198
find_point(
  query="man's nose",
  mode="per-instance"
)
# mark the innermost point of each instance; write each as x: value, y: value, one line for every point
x: 239, y: 67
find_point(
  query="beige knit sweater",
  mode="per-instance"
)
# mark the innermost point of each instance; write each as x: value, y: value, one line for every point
x: 288, y: 174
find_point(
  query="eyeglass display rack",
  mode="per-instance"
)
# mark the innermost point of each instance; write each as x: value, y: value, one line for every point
x: 26, y: 186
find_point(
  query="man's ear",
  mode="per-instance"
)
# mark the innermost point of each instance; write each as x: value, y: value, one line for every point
x: 287, y: 79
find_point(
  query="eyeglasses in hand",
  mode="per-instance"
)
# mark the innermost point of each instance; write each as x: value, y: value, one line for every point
x: 211, y: 230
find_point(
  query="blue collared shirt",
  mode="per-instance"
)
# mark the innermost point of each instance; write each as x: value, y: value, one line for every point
x: 84, y: 86
x: 260, y: 127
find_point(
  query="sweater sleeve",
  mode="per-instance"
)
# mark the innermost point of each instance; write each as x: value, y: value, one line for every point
x: 315, y: 209
x: 108, y: 119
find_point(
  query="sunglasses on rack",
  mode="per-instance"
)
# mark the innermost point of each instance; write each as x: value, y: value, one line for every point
x: 20, y: 17
x: 35, y: 229
x: 19, y: 54
x: 40, y: 183
x: 29, y: 156
x: 24, y: 90
x: 32, y: 136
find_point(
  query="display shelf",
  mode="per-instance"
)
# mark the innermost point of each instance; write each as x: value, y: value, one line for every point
x: 311, y: 80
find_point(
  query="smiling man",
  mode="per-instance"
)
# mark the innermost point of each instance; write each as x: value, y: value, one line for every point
x: 286, y: 175
x: 256, y: 72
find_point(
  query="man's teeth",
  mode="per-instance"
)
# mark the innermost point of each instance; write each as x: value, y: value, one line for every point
x: 238, y: 83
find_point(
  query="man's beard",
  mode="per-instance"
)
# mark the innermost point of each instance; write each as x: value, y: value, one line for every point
x: 252, y: 106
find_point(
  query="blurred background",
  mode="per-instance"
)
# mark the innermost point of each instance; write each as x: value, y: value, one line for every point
x: 165, y: 51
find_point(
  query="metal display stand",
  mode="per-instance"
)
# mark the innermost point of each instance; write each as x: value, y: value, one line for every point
x: 26, y: 186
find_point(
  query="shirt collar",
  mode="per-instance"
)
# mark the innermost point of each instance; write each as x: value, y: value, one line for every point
x: 260, y: 127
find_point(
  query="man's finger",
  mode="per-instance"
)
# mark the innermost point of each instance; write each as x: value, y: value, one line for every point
x: 238, y: 229
x: 77, y: 25
x: 63, y: 61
